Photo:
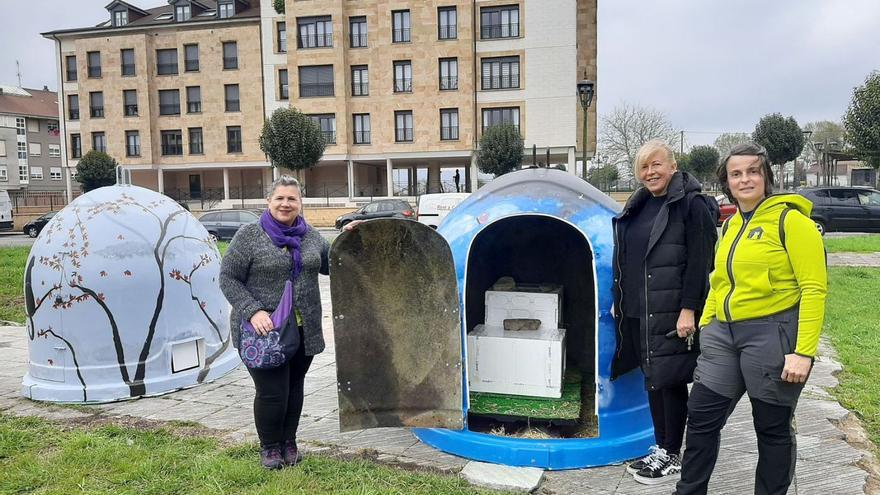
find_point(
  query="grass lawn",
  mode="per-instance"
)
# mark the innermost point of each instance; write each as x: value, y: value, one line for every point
x: 852, y: 321
x: 854, y: 244
x: 37, y: 456
x: 12, y: 260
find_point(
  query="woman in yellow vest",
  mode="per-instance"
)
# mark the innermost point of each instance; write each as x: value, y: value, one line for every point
x: 760, y: 326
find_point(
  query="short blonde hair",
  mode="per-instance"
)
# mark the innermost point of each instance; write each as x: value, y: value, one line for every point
x: 648, y: 149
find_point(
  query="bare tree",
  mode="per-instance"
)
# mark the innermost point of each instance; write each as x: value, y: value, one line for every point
x: 727, y: 140
x: 623, y: 131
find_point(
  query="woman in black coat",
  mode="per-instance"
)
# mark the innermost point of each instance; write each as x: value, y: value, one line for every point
x: 663, y: 245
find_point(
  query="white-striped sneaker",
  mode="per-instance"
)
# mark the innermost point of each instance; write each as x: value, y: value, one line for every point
x: 636, y: 466
x: 663, y: 468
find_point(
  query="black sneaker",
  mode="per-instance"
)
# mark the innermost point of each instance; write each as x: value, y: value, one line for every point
x: 663, y: 468
x: 270, y: 458
x: 290, y: 453
x: 636, y: 466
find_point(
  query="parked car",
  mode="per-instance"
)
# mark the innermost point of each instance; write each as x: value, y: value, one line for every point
x: 35, y: 226
x: 223, y: 224
x: 844, y: 209
x: 726, y: 207
x: 383, y: 208
x: 433, y: 208
x: 5, y: 211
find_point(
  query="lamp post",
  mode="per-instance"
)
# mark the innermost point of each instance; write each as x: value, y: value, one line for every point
x: 585, y: 89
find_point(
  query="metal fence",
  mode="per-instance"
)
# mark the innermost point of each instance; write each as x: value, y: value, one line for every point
x: 51, y: 199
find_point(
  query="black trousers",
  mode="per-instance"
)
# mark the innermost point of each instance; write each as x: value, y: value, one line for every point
x: 776, y: 442
x: 278, y: 400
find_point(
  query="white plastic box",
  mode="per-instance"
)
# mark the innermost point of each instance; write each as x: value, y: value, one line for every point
x: 529, y: 363
x: 537, y: 302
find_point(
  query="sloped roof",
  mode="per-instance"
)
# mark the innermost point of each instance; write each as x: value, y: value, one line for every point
x: 38, y: 103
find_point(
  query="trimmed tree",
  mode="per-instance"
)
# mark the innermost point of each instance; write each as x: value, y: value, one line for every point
x: 702, y: 162
x: 291, y: 139
x: 501, y: 150
x: 862, y: 121
x: 279, y: 6
x: 96, y: 169
x: 782, y: 137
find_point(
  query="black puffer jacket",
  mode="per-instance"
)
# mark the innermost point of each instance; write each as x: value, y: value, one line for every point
x: 676, y: 270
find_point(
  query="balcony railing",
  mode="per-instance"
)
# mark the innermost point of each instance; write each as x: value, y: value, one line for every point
x: 449, y: 133
x: 191, y: 65
x: 401, y: 35
x: 516, y: 126
x: 196, y: 148
x: 509, y: 30
x: 448, y: 32
x: 166, y: 69
x: 361, y: 137
x: 230, y: 62
x: 403, y: 85
x: 194, y: 107
x: 128, y: 69
x: 76, y: 153
x: 358, y: 40
x: 132, y: 150
x: 233, y: 105
x: 172, y: 149
x: 74, y: 114
x: 315, y: 89
x: 316, y: 40
x: 233, y: 146
x: 95, y: 71
x: 169, y: 109
x: 329, y: 137
x: 96, y: 112
x: 501, y: 82
x: 71, y: 75
x: 362, y: 89
x: 404, y: 134
x: 284, y: 92
x: 131, y: 110
x: 449, y: 82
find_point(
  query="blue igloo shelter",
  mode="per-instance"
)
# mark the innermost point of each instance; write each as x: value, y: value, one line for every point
x: 547, y: 226
x: 123, y: 300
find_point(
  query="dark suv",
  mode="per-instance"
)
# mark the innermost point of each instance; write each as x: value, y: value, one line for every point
x: 844, y: 209
x: 383, y: 208
x: 223, y: 224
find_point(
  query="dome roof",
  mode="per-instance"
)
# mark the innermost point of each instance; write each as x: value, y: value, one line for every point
x: 123, y: 300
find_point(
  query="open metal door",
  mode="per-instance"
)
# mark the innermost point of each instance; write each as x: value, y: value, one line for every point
x: 396, y: 323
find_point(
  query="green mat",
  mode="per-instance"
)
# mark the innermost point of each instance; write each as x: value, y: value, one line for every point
x: 568, y: 407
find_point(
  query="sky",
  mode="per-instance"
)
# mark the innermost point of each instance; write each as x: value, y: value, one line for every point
x: 710, y: 66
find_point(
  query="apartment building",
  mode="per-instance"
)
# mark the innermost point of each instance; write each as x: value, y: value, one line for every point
x: 30, y: 143
x: 174, y: 93
x: 401, y: 87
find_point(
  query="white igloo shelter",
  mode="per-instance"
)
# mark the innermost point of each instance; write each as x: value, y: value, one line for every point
x: 123, y: 300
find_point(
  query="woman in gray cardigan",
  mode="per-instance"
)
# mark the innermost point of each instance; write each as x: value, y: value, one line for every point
x: 261, y: 258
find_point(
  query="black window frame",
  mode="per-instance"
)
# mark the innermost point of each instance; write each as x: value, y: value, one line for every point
x: 310, y: 40
x: 70, y: 70
x: 230, y: 60
x: 132, y: 149
x: 96, y: 111
x: 449, y: 132
x: 171, y: 148
x: 327, y: 122
x: 448, y: 82
x: 103, y: 136
x: 500, y: 81
x: 491, y: 30
x: 193, y: 106
x: 196, y: 146
x: 447, y: 31
x: 501, y: 111
x: 75, y: 145
x: 361, y: 38
x: 232, y: 105
x: 404, y: 134
x: 230, y: 142
x: 225, y: 9
x: 185, y: 9
x: 172, y: 107
x: 190, y: 64
x: 127, y: 69
x: 361, y: 136
x: 401, y: 32
x: 403, y: 84
x: 281, y: 36
x: 94, y: 70
x: 283, y: 84
x: 73, y: 110
x: 167, y: 68
x: 361, y: 88
x: 319, y: 88
x: 129, y: 109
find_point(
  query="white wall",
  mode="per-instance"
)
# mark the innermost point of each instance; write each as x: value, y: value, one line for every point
x: 268, y: 18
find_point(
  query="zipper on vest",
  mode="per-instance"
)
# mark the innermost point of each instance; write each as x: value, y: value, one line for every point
x: 647, y: 324
x: 619, y: 291
x: 730, y: 269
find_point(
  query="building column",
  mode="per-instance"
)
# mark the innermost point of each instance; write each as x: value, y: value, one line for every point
x: 572, y: 162
x: 68, y: 183
x: 412, y: 176
x: 160, y: 176
x: 225, y: 183
x: 350, y: 180
x: 472, y: 176
x: 434, y: 178
x: 389, y: 177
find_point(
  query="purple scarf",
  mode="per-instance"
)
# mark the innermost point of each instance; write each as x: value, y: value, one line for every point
x: 286, y: 236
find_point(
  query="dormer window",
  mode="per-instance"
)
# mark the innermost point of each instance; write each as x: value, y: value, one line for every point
x: 226, y: 9
x: 120, y: 18
x: 183, y: 13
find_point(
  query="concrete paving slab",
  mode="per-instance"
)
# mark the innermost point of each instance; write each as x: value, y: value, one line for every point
x: 498, y: 477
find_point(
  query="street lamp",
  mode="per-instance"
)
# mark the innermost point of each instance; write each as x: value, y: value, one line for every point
x: 585, y: 89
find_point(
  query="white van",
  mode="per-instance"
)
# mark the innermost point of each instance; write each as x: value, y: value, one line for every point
x: 5, y: 211
x: 433, y: 208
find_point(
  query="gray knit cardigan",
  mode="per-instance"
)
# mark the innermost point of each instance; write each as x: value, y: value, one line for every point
x: 253, y: 273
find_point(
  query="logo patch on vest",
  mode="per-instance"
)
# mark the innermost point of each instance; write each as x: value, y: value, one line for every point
x: 756, y: 233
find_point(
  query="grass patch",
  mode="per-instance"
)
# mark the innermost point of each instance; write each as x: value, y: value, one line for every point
x: 38, y: 456
x: 852, y: 321
x: 12, y: 260
x: 854, y: 244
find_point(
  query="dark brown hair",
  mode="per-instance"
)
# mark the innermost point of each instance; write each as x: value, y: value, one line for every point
x: 746, y: 149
